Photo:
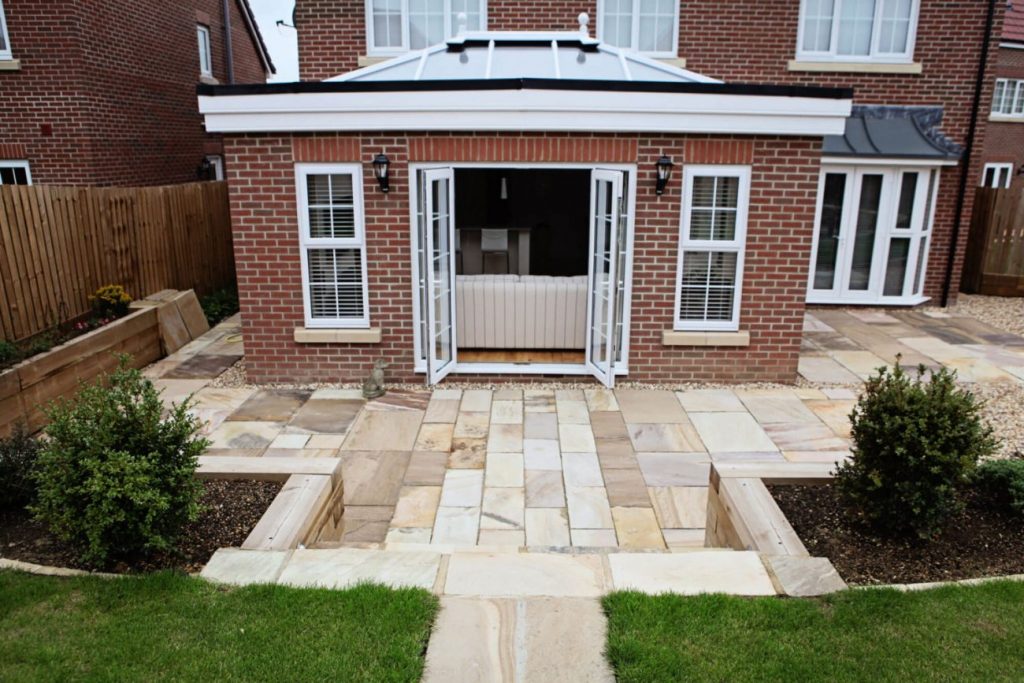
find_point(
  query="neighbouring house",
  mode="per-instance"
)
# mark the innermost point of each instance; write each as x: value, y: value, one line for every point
x: 103, y: 92
x: 627, y: 189
x: 1004, y: 136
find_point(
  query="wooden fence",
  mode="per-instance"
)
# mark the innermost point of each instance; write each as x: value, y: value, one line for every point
x: 994, y: 262
x: 59, y: 244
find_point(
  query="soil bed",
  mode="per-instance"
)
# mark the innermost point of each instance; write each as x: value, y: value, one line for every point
x: 230, y: 511
x: 979, y: 542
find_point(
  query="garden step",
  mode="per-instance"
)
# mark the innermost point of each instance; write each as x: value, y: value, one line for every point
x: 292, y: 517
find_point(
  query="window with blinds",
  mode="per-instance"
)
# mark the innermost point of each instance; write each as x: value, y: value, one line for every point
x: 711, y: 245
x: 333, y: 244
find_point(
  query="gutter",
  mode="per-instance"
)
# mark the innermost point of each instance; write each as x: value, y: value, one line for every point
x: 961, y: 198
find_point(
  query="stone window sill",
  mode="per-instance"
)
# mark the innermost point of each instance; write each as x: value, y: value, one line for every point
x: 1004, y: 118
x: 680, y: 338
x: 306, y: 335
x: 209, y: 80
x: 370, y: 60
x: 856, y: 67
x: 10, y: 65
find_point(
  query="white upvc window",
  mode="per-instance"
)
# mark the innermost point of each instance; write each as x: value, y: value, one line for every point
x: 396, y: 26
x: 5, y: 39
x: 997, y: 175
x: 332, y: 241
x: 1008, y: 98
x: 647, y: 26
x: 216, y: 165
x: 712, y: 241
x: 205, y: 56
x: 15, y: 173
x: 857, y: 30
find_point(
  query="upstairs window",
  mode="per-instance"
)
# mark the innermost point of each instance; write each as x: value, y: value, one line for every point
x: 15, y: 173
x: 395, y: 26
x: 1008, y: 97
x: 647, y: 26
x: 5, y: 41
x: 857, y: 30
x: 205, y: 59
x: 997, y: 176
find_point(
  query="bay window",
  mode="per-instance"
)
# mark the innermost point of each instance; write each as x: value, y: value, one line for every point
x: 857, y: 30
x: 396, y: 26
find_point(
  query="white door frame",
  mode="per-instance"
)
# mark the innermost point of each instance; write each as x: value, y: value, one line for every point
x: 603, y: 369
x: 436, y: 372
x: 621, y: 364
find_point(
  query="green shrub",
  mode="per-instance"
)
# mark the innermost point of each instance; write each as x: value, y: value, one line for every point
x: 219, y: 305
x: 115, y: 478
x: 1002, y: 483
x: 915, y: 444
x: 40, y: 344
x: 9, y: 353
x: 110, y: 301
x: 19, y: 453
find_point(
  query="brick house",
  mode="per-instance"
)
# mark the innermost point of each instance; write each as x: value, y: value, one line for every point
x: 644, y: 190
x: 1004, y: 133
x: 103, y: 92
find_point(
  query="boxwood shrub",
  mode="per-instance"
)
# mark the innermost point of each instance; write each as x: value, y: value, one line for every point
x: 18, y: 456
x: 916, y: 442
x: 1002, y: 483
x: 116, y: 478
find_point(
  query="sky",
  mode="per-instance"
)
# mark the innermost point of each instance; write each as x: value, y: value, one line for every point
x: 280, y: 40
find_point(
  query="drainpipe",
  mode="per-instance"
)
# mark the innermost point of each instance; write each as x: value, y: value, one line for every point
x: 228, y: 51
x: 979, y: 83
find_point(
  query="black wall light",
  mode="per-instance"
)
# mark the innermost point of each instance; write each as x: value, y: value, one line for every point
x: 664, y: 168
x: 380, y: 171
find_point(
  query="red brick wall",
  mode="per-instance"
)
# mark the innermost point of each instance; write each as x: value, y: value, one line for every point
x: 115, y: 84
x: 784, y: 182
x: 1004, y: 141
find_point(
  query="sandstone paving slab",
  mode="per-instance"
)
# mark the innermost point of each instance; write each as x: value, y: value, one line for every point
x: 177, y: 390
x: 574, y: 438
x: 835, y: 414
x: 804, y: 577
x: 416, y: 507
x: 338, y: 394
x: 507, y: 412
x: 290, y: 441
x: 366, y: 523
x: 680, y: 507
x: 462, y: 488
x: 456, y: 525
x: 542, y: 640
x: 525, y: 574
x: 581, y: 469
x: 346, y: 567
x: 503, y: 508
x: 547, y: 527
x: 447, y: 394
x: 245, y: 435
x: 476, y: 400
x: 710, y: 401
x: 936, y: 349
x: 505, y: 438
x: 467, y: 453
x: 472, y: 425
x: 271, y: 405
x: 776, y: 405
x: 839, y: 393
x: 684, y: 539
x: 542, y: 454
x: 225, y: 398
x: 802, y: 436
x: 400, y: 399
x: 306, y: 452
x: 540, y: 426
x: 691, y: 573
x: 626, y: 488
x: 825, y: 371
x: 725, y: 432
x: 504, y: 538
x: 544, y: 489
x: 861, y: 363
x: 244, y: 567
x: 409, y: 535
x: 588, y: 507
x: 435, y: 437
x: 809, y: 393
x: 650, y: 405
x: 539, y: 400
x: 664, y: 438
x: 747, y: 456
x: 569, y: 395
x: 326, y: 416
x: 426, y: 468
x: 325, y: 441
x: 873, y: 317
x: 594, y: 538
x: 608, y: 425
x: 637, y: 529
x: 442, y: 410
x: 978, y: 370
x: 817, y: 456
x: 675, y: 469
x: 813, y: 324
x: 615, y: 453
x: 203, y: 367
x: 508, y: 394
x: 373, y: 477
x: 572, y: 412
x: 601, y: 400
x: 384, y: 430
x: 504, y: 470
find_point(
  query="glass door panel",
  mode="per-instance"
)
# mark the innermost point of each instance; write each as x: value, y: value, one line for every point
x: 863, y: 252
x: 830, y: 230
x: 602, y: 312
x: 896, y: 266
x: 438, y: 276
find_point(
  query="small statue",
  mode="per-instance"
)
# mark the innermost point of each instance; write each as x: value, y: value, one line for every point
x: 373, y: 386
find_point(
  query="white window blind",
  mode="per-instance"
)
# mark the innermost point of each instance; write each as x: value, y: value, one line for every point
x: 648, y: 26
x: 333, y: 245
x: 395, y: 26
x: 711, y: 247
x: 857, y: 30
x: 205, y: 57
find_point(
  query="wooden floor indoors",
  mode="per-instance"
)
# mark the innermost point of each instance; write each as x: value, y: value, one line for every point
x: 521, y: 356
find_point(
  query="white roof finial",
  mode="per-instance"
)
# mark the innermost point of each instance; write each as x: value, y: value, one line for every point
x: 584, y: 19
x: 462, y: 22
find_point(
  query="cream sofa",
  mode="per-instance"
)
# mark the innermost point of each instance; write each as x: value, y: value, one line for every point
x: 521, y: 311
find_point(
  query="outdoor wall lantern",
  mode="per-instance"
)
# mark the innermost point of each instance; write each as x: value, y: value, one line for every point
x: 664, y: 168
x: 380, y: 171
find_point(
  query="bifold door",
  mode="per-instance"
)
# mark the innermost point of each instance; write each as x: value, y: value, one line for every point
x: 437, y: 269
x: 607, y: 231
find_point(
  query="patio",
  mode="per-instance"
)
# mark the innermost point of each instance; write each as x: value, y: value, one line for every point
x: 560, y: 467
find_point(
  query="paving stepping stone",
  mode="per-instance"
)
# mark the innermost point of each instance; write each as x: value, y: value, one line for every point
x: 426, y: 468
x: 277, y: 405
x: 373, y: 477
x: 328, y: 416
x: 649, y: 405
x: 203, y: 367
x: 384, y: 430
x: 637, y: 528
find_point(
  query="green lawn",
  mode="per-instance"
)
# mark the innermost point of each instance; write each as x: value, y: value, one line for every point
x: 167, y: 627
x: 948, y: 634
